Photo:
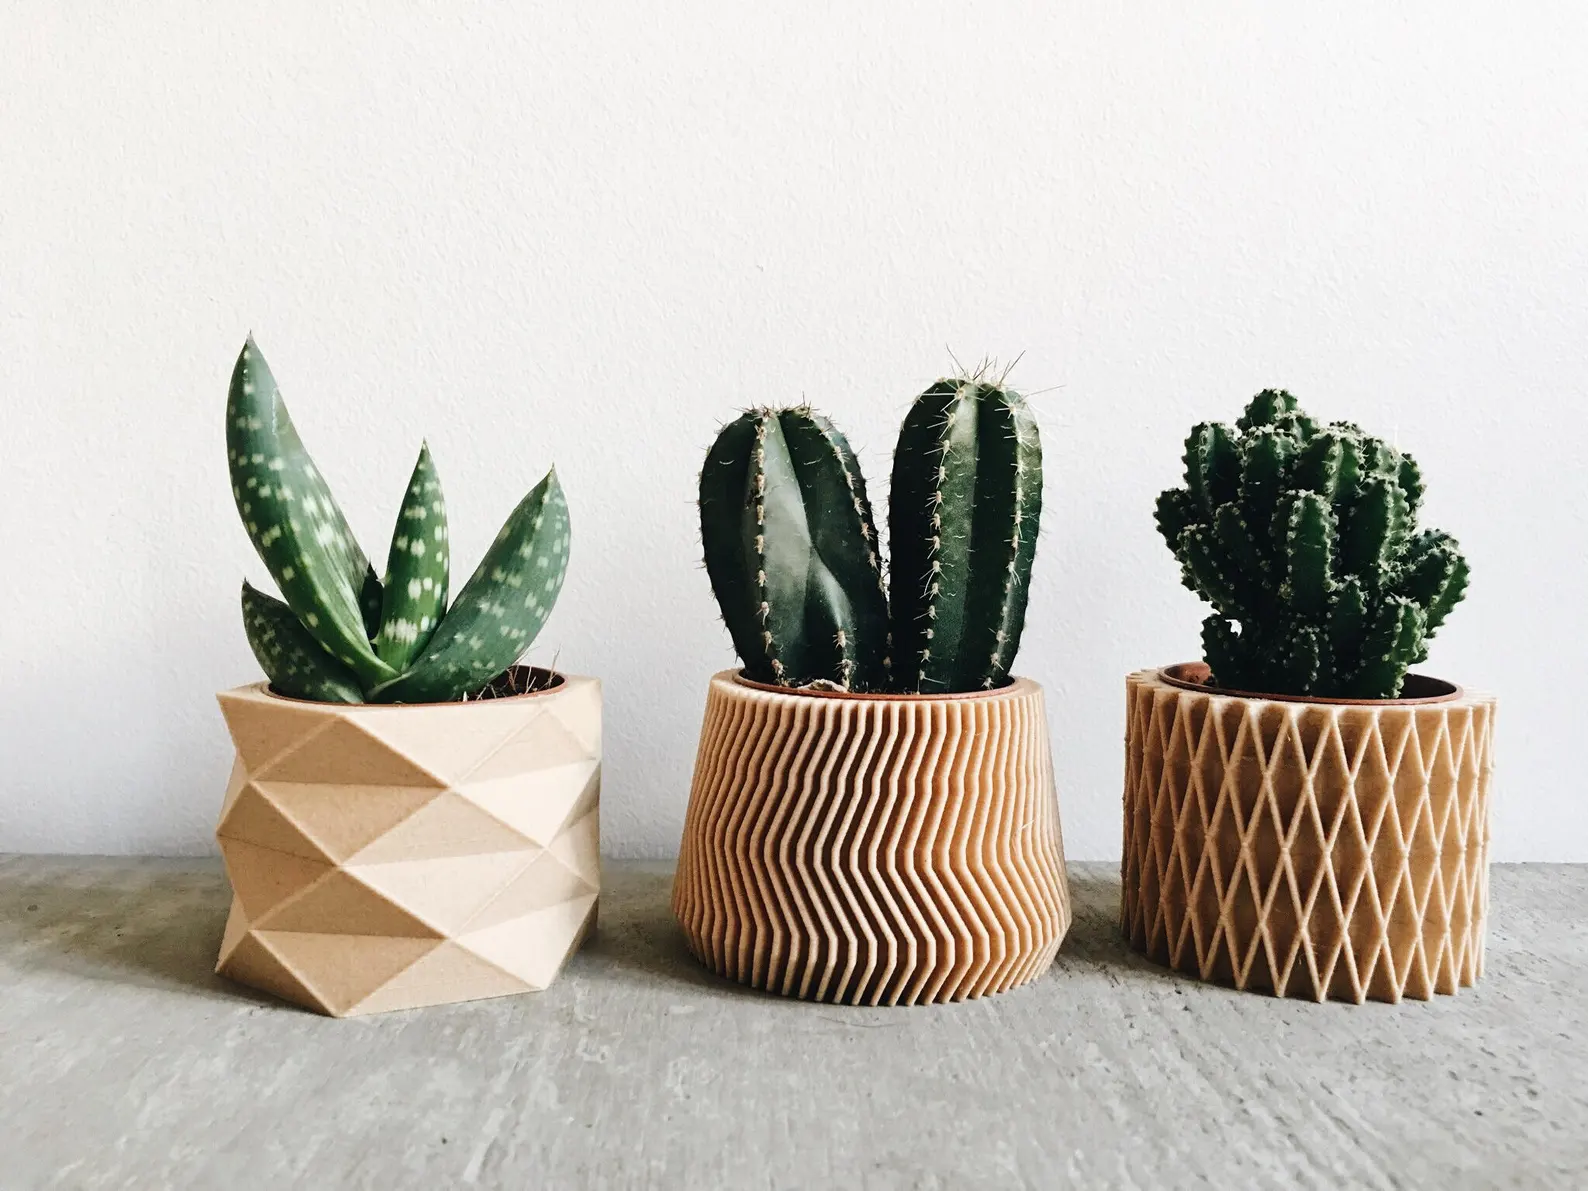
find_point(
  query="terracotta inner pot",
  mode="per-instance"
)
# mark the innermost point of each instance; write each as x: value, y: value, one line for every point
x: 1417, y: 688
x: 542, y: 680
x: 889, y: 696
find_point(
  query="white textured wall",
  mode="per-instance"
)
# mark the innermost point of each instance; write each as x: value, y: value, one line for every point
x: 587, y: 232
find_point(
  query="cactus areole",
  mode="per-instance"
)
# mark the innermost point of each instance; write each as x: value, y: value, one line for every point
x: 1303, y: 538
x: 343, y: 635
x: 794, y: 557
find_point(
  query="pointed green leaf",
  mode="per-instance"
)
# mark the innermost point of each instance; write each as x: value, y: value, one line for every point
x: 416, y: 570
x: 500, y: 609
x: 296, y: 664
x: 293, y: 520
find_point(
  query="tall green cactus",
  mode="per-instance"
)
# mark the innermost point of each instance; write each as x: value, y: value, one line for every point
x: 343, y: 635
x: 1304, y: 537
x: 792, y: 550
x: 963, y: 517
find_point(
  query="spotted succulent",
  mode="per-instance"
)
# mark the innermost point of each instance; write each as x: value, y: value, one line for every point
x: 344, y: 635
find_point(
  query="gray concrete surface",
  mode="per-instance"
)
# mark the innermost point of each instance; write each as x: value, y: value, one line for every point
x: 125, y: 1063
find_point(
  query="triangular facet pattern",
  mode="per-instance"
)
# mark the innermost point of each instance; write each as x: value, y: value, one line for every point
x: 379, y: 856
x: 1312, y: 850
x: 873, y: 851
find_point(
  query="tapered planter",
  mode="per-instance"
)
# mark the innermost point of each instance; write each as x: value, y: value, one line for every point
x: 389, y: 857
x: 1308, y: 848
x: 873, y: 849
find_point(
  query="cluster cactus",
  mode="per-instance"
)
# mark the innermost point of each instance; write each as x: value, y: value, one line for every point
x: 1303, y: 538
x: 794, y: 558
x: 344, y: 635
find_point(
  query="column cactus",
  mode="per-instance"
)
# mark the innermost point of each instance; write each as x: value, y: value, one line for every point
x: 342, y: 635
x: 1303, y: 539
x: 792, y: 551
x: 963, y: 516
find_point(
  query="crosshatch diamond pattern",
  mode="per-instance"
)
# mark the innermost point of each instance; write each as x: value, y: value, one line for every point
x: 391, y: 857
x: 1305, y: 849
x: 873, y: 851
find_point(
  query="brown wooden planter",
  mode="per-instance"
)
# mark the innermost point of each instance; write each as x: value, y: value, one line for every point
x: 873, y: 849
x: 1311, y: 848
x: 390, y: 857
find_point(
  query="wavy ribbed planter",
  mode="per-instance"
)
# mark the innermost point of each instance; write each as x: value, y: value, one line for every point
x: 1308, y: 848
x: 879, y: 850
x: 391, y: 857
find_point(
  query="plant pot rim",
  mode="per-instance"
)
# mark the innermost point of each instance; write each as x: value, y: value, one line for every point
x: 559, y: 683
x: 1192, y: 676
x: 1011, y: 685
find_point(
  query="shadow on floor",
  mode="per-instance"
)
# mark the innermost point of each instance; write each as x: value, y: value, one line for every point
x: 154, y: 925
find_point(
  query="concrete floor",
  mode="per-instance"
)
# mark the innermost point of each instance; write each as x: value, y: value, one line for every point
x: 125, y: 1063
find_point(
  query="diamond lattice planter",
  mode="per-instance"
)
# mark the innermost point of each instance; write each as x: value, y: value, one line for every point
x: 873, y: 849
x: 390, y: 857
x: 1306, y: 848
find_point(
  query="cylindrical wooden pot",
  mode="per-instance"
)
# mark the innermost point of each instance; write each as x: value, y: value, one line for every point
x: 877, y: 850
x: 1308, y: 848
x: 389, y: 857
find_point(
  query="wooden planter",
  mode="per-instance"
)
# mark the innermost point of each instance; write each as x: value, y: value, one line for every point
x: 390, y: 857
x: 1309, y: 848
x: 873, y: 849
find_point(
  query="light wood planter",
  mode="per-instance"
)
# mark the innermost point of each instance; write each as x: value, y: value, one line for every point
x: 1307, y: 848
x: 874, y: 850
x: 390, y: 857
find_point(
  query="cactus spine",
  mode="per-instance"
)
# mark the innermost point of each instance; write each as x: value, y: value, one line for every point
x: 1303, y: 539
x: 344, y: 636
x: 964, y: 512
x: 791, y: 549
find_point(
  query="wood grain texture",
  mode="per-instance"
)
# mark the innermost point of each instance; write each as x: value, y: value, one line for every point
x: 873, y: 850
x: 387, y: 857
x: 1308, y: 850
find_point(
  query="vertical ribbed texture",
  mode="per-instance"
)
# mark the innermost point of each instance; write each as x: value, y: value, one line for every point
x: 1306, y: 849
x: 873, y: 851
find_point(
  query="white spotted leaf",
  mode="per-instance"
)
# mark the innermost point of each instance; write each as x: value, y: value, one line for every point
x: 295, y: 523
x: 416, y: 570
x: 296, y: 664
x: 499, y: 611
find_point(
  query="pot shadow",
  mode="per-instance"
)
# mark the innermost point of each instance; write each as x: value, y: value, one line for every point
x: 637, y: 935
x: 153, y: 924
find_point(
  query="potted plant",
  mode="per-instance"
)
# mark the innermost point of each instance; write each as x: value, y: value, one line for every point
x: 412, y: 816
x: 1302, y: 815
x: 872, y: 818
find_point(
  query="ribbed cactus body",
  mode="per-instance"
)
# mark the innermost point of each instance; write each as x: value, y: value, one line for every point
x: 343, y: 635
x: 791, y: 549
x: 963, y: 516
x: 1302, y: 538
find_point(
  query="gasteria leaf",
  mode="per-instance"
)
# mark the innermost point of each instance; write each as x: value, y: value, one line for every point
x: 293, y: 520
x: 296, y: 664
x: 416, y: 570
x: 501, y: 608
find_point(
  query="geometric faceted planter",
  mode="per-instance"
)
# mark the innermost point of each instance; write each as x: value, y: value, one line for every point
x: 873, y: 849
x: 1308, y: 848
x: 386, y: 857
